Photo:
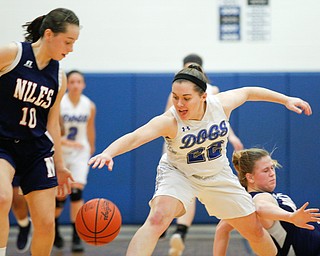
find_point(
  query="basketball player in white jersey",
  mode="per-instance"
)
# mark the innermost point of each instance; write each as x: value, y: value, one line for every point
x: 196, y: 132
x: 177, y: 240
x: 77, y: 114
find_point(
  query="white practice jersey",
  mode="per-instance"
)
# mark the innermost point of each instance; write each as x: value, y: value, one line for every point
x: 200, y: 146
x: 75, y: 119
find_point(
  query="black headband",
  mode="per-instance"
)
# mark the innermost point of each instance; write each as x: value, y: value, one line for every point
x: 193, y: 79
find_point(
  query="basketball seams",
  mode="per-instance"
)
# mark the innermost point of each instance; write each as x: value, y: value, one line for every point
x: 111, y: 224
x: 96, y: 221
x: 83, y: 220
x: 113, y: 211
x: 85, y: 223
x: 105, y: 236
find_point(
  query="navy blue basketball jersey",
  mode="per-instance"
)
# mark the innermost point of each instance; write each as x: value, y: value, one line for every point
x: 26, y: 95
x: 304, y: 241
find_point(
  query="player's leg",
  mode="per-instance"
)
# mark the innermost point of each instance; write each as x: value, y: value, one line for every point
x: 163, y: 210
x: 38, y: 183
x: 42, y: 208
x: 75, y: 205
x: 79, y: 169
x: 6, y: 176
x: 178, y: 237
x: 21, y: 213
x: 58, y: 239
x: 251, y: 229
x: 225, y: 198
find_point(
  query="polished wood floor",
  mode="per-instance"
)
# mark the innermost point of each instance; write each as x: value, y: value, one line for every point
x: 198, y: 243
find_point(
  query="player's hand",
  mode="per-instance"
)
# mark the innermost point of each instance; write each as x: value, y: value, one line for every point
x: 101, y: 160
x: 72, y: 144
x: 236, y: 142
x: 302, y: 216
x: 76, y: 145
x: 298, y: 105
x: 64, y: 181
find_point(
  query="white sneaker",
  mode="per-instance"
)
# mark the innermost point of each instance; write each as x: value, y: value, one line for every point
x: 176, y: 245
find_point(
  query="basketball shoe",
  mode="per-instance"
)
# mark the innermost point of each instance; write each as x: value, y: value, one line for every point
x: 176, y: 245
x: 58, y: 240
x: 24, y: 238
x: 77, y: 245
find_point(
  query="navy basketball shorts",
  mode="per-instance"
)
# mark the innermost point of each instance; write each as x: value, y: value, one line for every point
x: 16, y: 180
x: 33, y: 162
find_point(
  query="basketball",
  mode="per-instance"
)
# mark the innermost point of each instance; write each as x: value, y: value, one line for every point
x: 98, y: 222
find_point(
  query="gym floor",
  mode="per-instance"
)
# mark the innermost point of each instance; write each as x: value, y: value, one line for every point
x: 198, y: 243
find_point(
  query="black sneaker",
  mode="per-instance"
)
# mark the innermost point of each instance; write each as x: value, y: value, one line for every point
x: 58, y: 241
x: 24, y: 238
x: 77, y: 245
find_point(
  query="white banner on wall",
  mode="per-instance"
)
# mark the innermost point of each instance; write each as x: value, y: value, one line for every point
x: 258, y: 20
x: 229, y: 25
x: 248, y: 20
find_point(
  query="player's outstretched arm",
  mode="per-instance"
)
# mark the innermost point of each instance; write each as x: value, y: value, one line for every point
x: 234, y: 98
x: 162, y: 125
x: 269, y: 210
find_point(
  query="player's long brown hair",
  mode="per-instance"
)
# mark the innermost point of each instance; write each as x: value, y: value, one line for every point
x: 244, y: 161
x: 56, y: 20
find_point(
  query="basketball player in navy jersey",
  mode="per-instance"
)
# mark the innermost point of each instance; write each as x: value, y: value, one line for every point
x: 294, y: 231
x: 195, y: 164
x: 31, y: 88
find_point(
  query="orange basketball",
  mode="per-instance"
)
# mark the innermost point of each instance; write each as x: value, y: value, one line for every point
x: 98, y: 221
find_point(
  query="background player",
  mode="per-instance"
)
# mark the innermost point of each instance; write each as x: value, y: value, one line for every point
x: 78, y: 144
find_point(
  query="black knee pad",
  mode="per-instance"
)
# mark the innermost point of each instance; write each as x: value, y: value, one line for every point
x: 76, y: 194
x: 60, y: 202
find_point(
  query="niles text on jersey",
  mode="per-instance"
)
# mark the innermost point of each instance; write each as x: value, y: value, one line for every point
x: 215, y: 131
x: 26, y: 91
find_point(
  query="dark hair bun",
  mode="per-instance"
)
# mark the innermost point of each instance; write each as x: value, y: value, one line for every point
x: 195, y: 66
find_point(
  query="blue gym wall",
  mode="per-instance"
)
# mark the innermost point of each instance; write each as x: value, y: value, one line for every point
x: 127, y: 100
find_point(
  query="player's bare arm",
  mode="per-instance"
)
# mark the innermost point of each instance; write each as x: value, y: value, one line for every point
x: 53, y: 126
x: 7, y: 54
x: 234, y: 98
x: 163, y: 125
x: 268, y: 209
x: 91, y: 128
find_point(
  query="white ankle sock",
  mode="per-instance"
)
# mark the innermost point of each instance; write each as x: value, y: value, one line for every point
x: 3, y: 251
x: 23, y: 223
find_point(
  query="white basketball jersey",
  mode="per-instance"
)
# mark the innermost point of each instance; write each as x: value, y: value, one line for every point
x: 200, y: 146
x: 210, y: 89
x: 75, y: 119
